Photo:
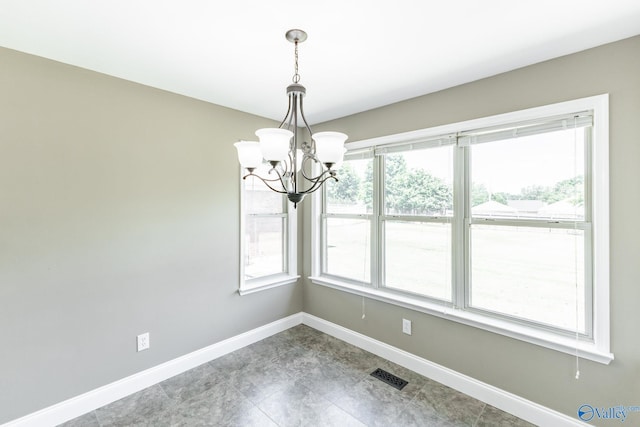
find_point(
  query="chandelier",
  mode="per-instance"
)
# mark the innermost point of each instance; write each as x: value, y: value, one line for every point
x: 290, y: 157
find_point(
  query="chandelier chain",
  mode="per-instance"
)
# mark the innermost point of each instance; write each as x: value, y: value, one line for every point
x: 296, y: 76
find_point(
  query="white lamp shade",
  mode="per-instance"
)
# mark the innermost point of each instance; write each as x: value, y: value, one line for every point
x: 339, y: 164
x: 329, y: 146
x: 249, y: 154
x: 274, y: 143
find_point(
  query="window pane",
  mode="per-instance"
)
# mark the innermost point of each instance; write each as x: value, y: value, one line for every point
x: 418, y: 258
x: 259, y: 198
x: 353, y: 192
x: 529, y: 272
x: 348, y: 243
x: 419, y: 182
x: 265, y: 250
x: 540, y: 176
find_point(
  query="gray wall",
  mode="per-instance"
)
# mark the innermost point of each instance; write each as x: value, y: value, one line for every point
x: 538, y: 374
x: 118, y: 215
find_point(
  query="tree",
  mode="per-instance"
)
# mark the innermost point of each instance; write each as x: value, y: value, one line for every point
x: 479, y: 194
x: 347, y: 188
x: 423, y: 193
x: 572, y: 189
x: 501, y: 197
x: 395, y: 180
x: 533, y: 192
x: 366, y: 189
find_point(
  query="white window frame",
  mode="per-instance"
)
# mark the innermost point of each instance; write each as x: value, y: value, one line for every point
x: 597, y: 348
x: 290, y: 250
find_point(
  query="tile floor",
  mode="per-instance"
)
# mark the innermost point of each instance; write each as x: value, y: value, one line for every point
x: 300, y: 377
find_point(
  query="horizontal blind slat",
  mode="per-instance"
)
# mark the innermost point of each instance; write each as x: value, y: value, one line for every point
x: 525, y: 129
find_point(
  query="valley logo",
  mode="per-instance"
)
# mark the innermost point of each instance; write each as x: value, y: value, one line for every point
x: 620, y: 412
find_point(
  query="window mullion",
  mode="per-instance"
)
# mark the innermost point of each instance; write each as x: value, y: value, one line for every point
x: 377, y: 224
x: 460, y: 229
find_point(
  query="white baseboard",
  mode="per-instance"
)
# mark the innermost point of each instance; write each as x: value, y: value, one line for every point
x: 508, y: 402
x: 87, y: 402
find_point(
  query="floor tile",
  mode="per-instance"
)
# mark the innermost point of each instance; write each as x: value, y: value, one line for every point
x: 86, y: 420
x: 261, y: 381
x: 191, y: 383
x: 296, y: 406
x: 372, y: 402
x: 449, y: 404
x: 215, y: 406
x: 305, y: 337
x: 350, y: 357
x: 300, y: 377
x: 417, y: 415
x: 299, y: 362
x: 334, y: 417
x: 252, y: 417
x: 269, y: 349
x: 494, y: 417
x: 134, y: 409
x: 329, y: 378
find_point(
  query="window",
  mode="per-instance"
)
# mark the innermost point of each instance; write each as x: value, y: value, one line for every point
x: 500, y: 223
x: 268, y: 238
x: 527, y: 227
x: 347, y: 221
x: 416, y: 220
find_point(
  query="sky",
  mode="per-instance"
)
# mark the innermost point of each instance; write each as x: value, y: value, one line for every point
x: 508, y: 165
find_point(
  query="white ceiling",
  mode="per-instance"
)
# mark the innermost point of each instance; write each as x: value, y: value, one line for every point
x: 360, y: 54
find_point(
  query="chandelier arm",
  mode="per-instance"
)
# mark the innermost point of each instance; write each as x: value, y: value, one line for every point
x: 314, y: 181
x: 287, y: 116
x: 304, y: 119
x: 308, y: 178
x: 279, y: 178
x: 314, y: 178
x: 318, y: 184
x: 267, y: 181
x: 292, y: 117
x: 261, y: 178
x: 284, y: 186
x: 292, y: 123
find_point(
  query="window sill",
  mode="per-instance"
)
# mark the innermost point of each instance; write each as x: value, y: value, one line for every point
x: 264, y: 283
x: 584, y: 349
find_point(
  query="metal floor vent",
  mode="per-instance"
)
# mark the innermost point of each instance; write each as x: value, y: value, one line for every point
x: 390, y: 379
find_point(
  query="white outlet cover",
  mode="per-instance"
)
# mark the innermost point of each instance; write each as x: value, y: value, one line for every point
x: 406, y: 326
x: 143, y: 341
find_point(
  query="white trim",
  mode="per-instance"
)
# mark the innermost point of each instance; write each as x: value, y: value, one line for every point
x: 522, y: 332
x: 485, y: 122
x: 87, y: 402
x: 600, y: 220
x: 509, y: 402
x: 94, y: 399
x: 269, y: 282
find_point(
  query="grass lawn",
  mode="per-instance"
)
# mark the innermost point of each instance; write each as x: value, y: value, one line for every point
x: 525, y: 272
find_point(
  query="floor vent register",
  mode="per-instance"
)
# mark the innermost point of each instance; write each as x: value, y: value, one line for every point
x: 389, y: 378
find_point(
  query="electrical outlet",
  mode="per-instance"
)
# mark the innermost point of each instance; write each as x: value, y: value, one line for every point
x: 406, y: 326
x: 143, y: 341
